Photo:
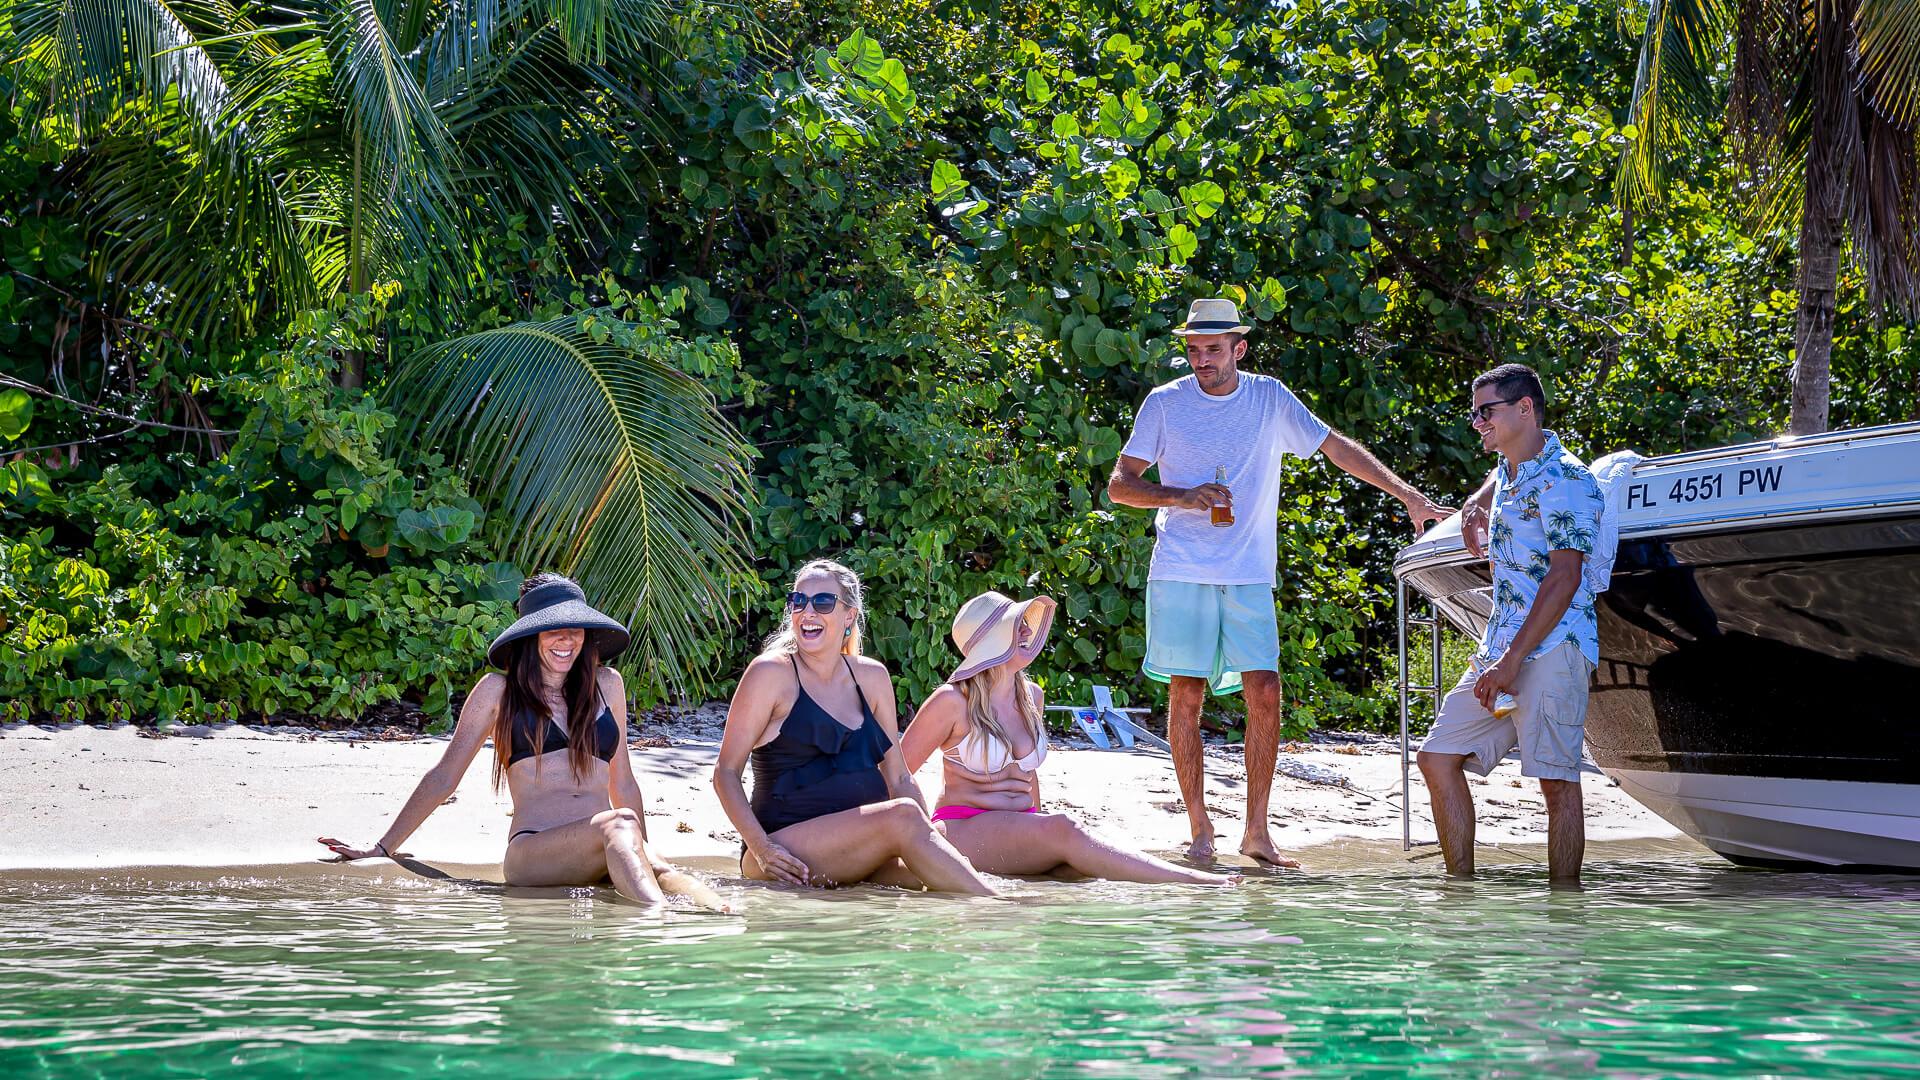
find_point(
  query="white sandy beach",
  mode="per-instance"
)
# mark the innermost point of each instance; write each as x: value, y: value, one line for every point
x: 89, y: 798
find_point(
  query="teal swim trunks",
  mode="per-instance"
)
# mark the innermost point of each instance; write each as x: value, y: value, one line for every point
x: 1211, y: 632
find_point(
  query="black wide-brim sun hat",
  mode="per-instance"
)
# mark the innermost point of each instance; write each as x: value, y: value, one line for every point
x: 560, y: 605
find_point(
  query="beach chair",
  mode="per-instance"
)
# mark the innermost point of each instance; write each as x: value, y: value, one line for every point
x: 1094, y: 720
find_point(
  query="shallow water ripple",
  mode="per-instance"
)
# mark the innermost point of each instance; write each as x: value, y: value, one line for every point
x: 1673, y: 969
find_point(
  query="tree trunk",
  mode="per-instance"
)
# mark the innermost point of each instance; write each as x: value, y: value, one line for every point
x: 1833, y: 132
x: 353, y: 364
x: 1820, y: 232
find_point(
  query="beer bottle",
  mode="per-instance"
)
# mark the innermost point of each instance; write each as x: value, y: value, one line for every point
x: 1222, y: 512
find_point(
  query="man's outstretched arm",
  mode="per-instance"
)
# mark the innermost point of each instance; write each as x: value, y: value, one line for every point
x: 1357, y: 461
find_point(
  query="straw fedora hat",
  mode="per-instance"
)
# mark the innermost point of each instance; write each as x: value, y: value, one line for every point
x: 986, y: 630
x: 1213, y: 317
x: 559, y: 605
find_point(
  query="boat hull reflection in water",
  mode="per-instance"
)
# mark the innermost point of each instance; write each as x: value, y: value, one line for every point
x: 1759, y: 677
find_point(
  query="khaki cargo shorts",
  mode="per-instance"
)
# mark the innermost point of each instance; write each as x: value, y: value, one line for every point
x: 1548, y: 724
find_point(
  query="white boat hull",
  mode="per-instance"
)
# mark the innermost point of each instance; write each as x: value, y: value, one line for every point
x: 1770, y: 820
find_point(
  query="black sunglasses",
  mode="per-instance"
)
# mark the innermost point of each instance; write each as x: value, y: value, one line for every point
x: 1480, y: 413
x: 823, y: 602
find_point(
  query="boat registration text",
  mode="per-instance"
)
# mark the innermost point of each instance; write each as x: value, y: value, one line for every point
x: 1731, y: 482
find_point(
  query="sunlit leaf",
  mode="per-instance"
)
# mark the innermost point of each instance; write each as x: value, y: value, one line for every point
x: 1203, y: 199
x: 946, y: 182
x: 1182, y: 243
x: 16, y: 414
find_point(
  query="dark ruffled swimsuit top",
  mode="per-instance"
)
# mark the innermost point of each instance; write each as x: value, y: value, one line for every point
x: 817, y: 765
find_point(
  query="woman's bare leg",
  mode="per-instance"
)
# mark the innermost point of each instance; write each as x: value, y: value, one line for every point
x: 581, y: 852
x: 853, y: 844
x: 677, y: 882
x: 895, y: 873
x: 1013, y: 843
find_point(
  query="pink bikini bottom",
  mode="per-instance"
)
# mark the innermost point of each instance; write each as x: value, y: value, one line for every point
x: 962, y: 813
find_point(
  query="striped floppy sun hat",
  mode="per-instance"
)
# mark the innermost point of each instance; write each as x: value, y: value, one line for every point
x: 987, y: 630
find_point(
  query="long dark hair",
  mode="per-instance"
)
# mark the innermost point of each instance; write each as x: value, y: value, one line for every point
x: 525, y: 695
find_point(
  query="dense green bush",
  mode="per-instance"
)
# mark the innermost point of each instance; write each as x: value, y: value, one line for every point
x: 304, y: 572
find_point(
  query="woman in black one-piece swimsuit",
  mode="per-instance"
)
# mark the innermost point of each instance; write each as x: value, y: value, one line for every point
x: 832, y: 803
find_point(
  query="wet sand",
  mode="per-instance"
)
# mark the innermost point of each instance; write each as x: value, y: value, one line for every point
x: 246, y: 800
x: 1344, y: 856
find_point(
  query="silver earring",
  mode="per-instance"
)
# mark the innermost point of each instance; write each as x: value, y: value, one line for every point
x: 848, y: 632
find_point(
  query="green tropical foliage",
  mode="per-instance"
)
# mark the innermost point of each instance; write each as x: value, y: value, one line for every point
x: 924, y: 259
x: 249, y: 160
x: 268, y: 582
x: 244, y: 164
x: 1821, y: 104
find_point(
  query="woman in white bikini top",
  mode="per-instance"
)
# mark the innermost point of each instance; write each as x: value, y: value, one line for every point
x: 983, y: 754
x: 987, y: 724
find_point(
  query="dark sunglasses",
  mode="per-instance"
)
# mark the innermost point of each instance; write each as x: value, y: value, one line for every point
x: 823, y: 602
x: 1479, y: 414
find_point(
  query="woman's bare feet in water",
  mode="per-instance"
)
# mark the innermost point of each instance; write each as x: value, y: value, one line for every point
x: 677, y: 882
x: 1261, y: 849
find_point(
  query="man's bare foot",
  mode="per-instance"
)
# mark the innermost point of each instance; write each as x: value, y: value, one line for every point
x: 1201, y: 850
x: 1261, y: 849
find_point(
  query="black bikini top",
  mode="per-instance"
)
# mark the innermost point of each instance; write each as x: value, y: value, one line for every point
x: 606, y: 736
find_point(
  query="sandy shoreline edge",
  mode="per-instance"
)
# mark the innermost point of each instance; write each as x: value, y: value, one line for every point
x: 92, y: 798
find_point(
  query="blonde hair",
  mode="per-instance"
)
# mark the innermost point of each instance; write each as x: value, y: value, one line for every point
x: 852, y: 594
x: 978, y: 690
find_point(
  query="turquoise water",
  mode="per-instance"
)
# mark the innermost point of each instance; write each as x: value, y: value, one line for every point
x: 1677, y: 968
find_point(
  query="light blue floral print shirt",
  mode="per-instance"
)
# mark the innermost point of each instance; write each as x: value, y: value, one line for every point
x: 1551, y: 503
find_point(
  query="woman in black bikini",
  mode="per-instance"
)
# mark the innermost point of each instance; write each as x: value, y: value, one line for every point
x: 558, y: 720
x: 832, y: 803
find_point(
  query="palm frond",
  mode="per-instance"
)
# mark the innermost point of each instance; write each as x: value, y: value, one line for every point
x: 459, y: 50
x: 182, y: 194
x: 382, y: 97
x: 1771, y: 115
x: 1883, y: 210
x: 1770, y: 59
x: 610, y: 464
x: 407, y: 21
x: 185, y: 243
x: 1888, y: 35
x: 533, y: 160
x: 526, y: 157
x: 1674, y: 102
x: 89, y: 56
x: 591, y: 28
x: 1831, y: 151
x: 472, y: 36
x: 404, y: 201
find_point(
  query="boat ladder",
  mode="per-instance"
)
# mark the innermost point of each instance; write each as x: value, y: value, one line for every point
x: 1405, y: 686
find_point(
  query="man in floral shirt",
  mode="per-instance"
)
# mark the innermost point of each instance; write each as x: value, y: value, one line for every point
x: 1528, y: 683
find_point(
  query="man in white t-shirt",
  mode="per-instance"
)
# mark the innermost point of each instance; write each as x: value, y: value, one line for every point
x: 1210, y: 614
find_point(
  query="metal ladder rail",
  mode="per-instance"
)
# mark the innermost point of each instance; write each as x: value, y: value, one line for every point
x: 1405, y: 686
